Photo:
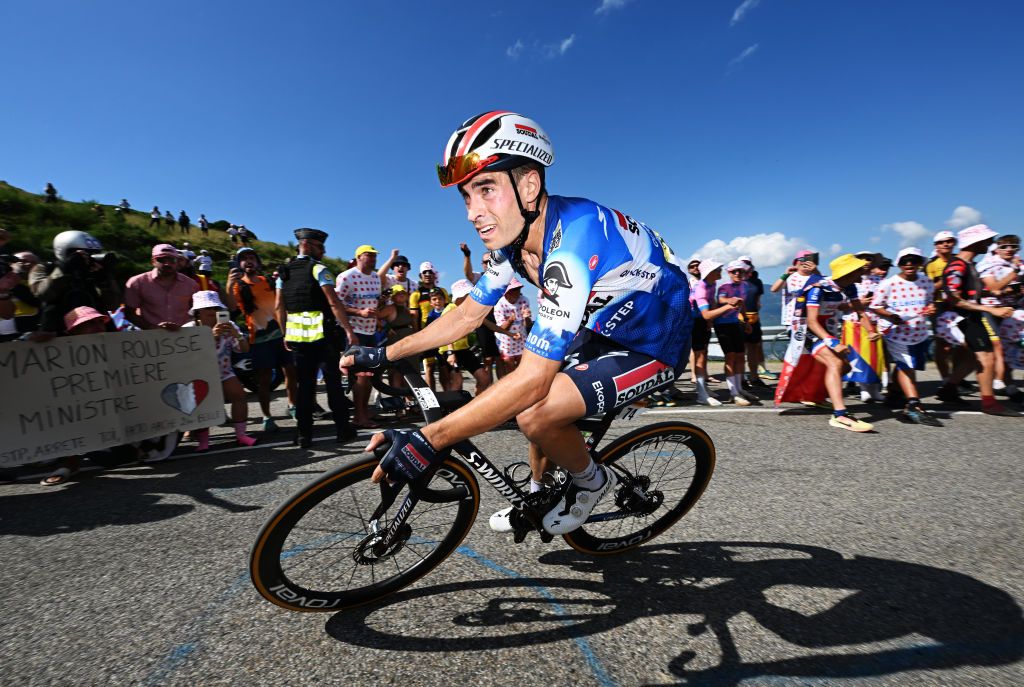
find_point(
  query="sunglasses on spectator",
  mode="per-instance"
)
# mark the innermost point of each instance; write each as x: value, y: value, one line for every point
x: 946, y: 241
x: 427, y: 272
x: 166, y: 261
x: 1008, y: 246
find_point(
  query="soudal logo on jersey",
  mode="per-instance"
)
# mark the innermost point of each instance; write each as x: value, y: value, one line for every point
x: 634, y: 383
x: 524, y: 148
x: 524, y: 130
x: 627, y: 223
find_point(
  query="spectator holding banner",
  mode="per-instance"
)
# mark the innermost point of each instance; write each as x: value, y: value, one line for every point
x: 161, y: 297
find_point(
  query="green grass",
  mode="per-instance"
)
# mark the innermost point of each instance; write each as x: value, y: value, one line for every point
x: 33, y: 223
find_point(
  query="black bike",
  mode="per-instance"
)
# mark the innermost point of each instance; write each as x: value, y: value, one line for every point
x: 343, y: 541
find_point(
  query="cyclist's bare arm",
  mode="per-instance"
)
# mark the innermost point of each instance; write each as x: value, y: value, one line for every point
x: 522, y: 388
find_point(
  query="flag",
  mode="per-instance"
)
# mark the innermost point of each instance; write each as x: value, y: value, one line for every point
x: 867, y: 358
x: 801, y: 379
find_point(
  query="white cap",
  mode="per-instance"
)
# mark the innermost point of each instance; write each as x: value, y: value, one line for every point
x: 737, y: 265
x: 461, y: 288
x: 707, y: 267
x: 747, y: 259
x: 943, y: 236
x: 975, y: 234
x: 424, y: 266
x: 909, y: 251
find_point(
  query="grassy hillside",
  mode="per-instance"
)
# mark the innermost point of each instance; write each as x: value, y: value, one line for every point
x: 33, y: 223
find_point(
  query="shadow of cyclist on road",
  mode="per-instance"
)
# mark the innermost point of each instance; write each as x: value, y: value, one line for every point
x: 967, y: 621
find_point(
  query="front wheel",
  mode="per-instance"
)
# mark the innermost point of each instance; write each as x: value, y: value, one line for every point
x: 663, y: 470
x: 314, y: 553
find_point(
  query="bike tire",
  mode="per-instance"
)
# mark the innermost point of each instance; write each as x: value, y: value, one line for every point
x: 288, y: 563
x: 682, y: 476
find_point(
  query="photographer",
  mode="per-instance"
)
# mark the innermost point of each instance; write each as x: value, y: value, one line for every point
x: 82, y: 275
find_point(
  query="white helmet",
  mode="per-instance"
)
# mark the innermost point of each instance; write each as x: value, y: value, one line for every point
x: 67, y: 242
x: 493, y: 141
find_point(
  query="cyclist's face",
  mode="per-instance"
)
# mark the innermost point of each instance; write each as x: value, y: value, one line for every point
x: 492, y: 209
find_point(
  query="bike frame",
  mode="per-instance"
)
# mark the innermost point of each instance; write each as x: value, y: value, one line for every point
x: 593, y: 429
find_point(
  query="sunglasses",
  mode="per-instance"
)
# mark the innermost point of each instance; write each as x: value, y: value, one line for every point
x: 167, y: 261
x: 427, y: 272
x: 946, y: 242
x: 461, y: 167
x: 1008, y: 246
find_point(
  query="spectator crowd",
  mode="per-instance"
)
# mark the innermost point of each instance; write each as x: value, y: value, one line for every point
x: 863, y: 325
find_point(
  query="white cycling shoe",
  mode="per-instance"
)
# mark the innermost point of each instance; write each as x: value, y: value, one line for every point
x: 576, y: 506
x: 502, y: 520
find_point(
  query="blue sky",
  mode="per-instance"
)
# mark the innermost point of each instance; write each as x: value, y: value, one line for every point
x: 731, y: 127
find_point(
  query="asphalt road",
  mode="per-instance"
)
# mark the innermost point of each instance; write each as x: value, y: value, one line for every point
x: 816, y: 556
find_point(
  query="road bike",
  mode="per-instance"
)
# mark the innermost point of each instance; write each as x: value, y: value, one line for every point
x: 343, y: 541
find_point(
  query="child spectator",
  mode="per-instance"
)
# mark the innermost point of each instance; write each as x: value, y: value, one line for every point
x: 438, y: 300
x: 228, y: 337
x: 458, y: 355
x: 513, y: 316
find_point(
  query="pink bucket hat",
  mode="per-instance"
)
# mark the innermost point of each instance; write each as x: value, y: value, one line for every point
x: 975, y: 234
x: 205, y: 299
x: 514, y: 284
x: 81, y: 315
x: 164, y: 250
x: 461, y: 288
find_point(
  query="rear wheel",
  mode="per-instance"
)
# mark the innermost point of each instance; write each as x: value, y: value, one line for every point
x: 314, y: 553
x: 663, y: 470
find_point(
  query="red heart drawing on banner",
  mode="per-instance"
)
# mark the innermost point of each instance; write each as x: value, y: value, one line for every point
x: 185, y: 397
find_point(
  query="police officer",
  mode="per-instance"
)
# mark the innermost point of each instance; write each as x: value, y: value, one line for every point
x: 311, y: 313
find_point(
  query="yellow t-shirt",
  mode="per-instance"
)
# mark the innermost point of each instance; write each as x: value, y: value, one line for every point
x: 460, y: 345
x: 934, y: 271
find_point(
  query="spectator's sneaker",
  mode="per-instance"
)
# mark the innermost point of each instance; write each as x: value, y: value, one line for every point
x: 576, y: 506
x: 740, y: 400
x: 920, y: 416
x: 319, y: 413
x: 269, y: 425
x: 750, y: 397
x: 815, y: 405
x: 871, y: 396
x: 765, y: 373
x: 755, y: 382
x: 999, y: 410
x: 998, y: 385
x: 708, y: 401
x: 948, y: 394
x: 291, y: 412
x: 850, y: 423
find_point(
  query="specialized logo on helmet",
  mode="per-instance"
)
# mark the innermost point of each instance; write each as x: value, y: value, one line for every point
x: 555, y: 277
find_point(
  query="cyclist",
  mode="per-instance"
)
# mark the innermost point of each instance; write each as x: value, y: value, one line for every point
x: 612, y: 324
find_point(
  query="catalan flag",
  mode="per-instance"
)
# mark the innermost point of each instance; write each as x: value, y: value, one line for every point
x: 867, y: 358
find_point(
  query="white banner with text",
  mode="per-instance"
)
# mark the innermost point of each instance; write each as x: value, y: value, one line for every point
x: 76, y: 394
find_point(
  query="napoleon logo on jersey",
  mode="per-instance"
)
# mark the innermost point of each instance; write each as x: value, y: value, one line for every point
x: 555, y: 277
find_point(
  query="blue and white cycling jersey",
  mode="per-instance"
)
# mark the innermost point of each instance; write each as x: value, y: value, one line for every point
x: 604, y: 271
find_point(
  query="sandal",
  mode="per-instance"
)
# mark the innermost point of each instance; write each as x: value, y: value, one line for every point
x: 56, y: 478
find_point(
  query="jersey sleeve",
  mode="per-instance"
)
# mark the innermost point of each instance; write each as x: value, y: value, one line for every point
x: 566, y: 284
x: 489, y: 289
x: 953, y: 278
x: 814, y: 297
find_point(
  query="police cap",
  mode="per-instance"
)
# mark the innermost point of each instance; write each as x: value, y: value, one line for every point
x: 307, y: 233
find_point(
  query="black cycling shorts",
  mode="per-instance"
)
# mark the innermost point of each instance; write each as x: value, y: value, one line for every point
x: 730, y: 337
x: 755, y: 336
x: 977, y: 332
x: 466, y: 360
x: 701, y: 333
x: 609, y: 376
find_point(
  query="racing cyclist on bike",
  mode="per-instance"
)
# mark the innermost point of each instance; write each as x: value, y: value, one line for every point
x: 613, y: 319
